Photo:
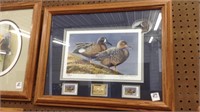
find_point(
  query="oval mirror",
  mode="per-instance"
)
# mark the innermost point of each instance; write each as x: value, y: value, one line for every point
x: 10, y: 45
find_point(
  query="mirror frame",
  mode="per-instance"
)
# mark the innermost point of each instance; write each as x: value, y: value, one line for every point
x: 110, y: 103
x: 33, y: 51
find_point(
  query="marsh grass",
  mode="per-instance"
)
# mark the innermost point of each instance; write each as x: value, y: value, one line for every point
x: 77, y: 65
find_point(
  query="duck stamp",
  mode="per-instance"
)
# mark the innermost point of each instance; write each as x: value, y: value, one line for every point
x: 99, y: 90
x: 69, y: 89
x: 130, y: 91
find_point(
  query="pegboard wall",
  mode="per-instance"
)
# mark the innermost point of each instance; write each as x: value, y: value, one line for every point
x: 186, y: 53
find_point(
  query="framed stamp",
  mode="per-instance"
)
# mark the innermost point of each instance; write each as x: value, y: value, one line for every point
x: 130, y: 91
x: 19, y: 40
x: 69, y: 88
x: 99, y: 90
x: 125, y: 49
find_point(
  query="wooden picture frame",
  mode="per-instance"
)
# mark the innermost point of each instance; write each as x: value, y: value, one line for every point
x: 4, y: 109
x: 32, y: 51
x: 109, y: 103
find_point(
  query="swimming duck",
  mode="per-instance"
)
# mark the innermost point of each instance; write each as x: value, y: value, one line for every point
x: 90, y: 50
x: 114, y: 56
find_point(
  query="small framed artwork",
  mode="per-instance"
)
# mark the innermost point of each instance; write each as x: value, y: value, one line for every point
x: 130, y: 91
x: 19, y: 42
x: 69, y: 88
x: 116, y: 52
x: 99, y: 90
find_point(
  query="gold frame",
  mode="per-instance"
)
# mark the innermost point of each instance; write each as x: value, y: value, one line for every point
x: 110, y: 103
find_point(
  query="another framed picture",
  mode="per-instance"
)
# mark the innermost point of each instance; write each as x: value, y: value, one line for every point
x: 115, y: 53
x: 19, y: 40
x: 69, y: 89
x: 84, y: 53
x: 130, y: 91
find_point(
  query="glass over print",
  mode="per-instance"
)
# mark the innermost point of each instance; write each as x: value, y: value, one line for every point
x: 72, y: 36
x: 14, y: 44
x: 103, y: 55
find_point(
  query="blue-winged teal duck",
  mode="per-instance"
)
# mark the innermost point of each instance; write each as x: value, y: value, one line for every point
x: 90, y: 50
x: 114, y: 56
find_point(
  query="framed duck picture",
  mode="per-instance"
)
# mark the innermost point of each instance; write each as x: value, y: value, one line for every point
x: 114, y: 55
x: 112, y: 52
x: 19, y: 40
